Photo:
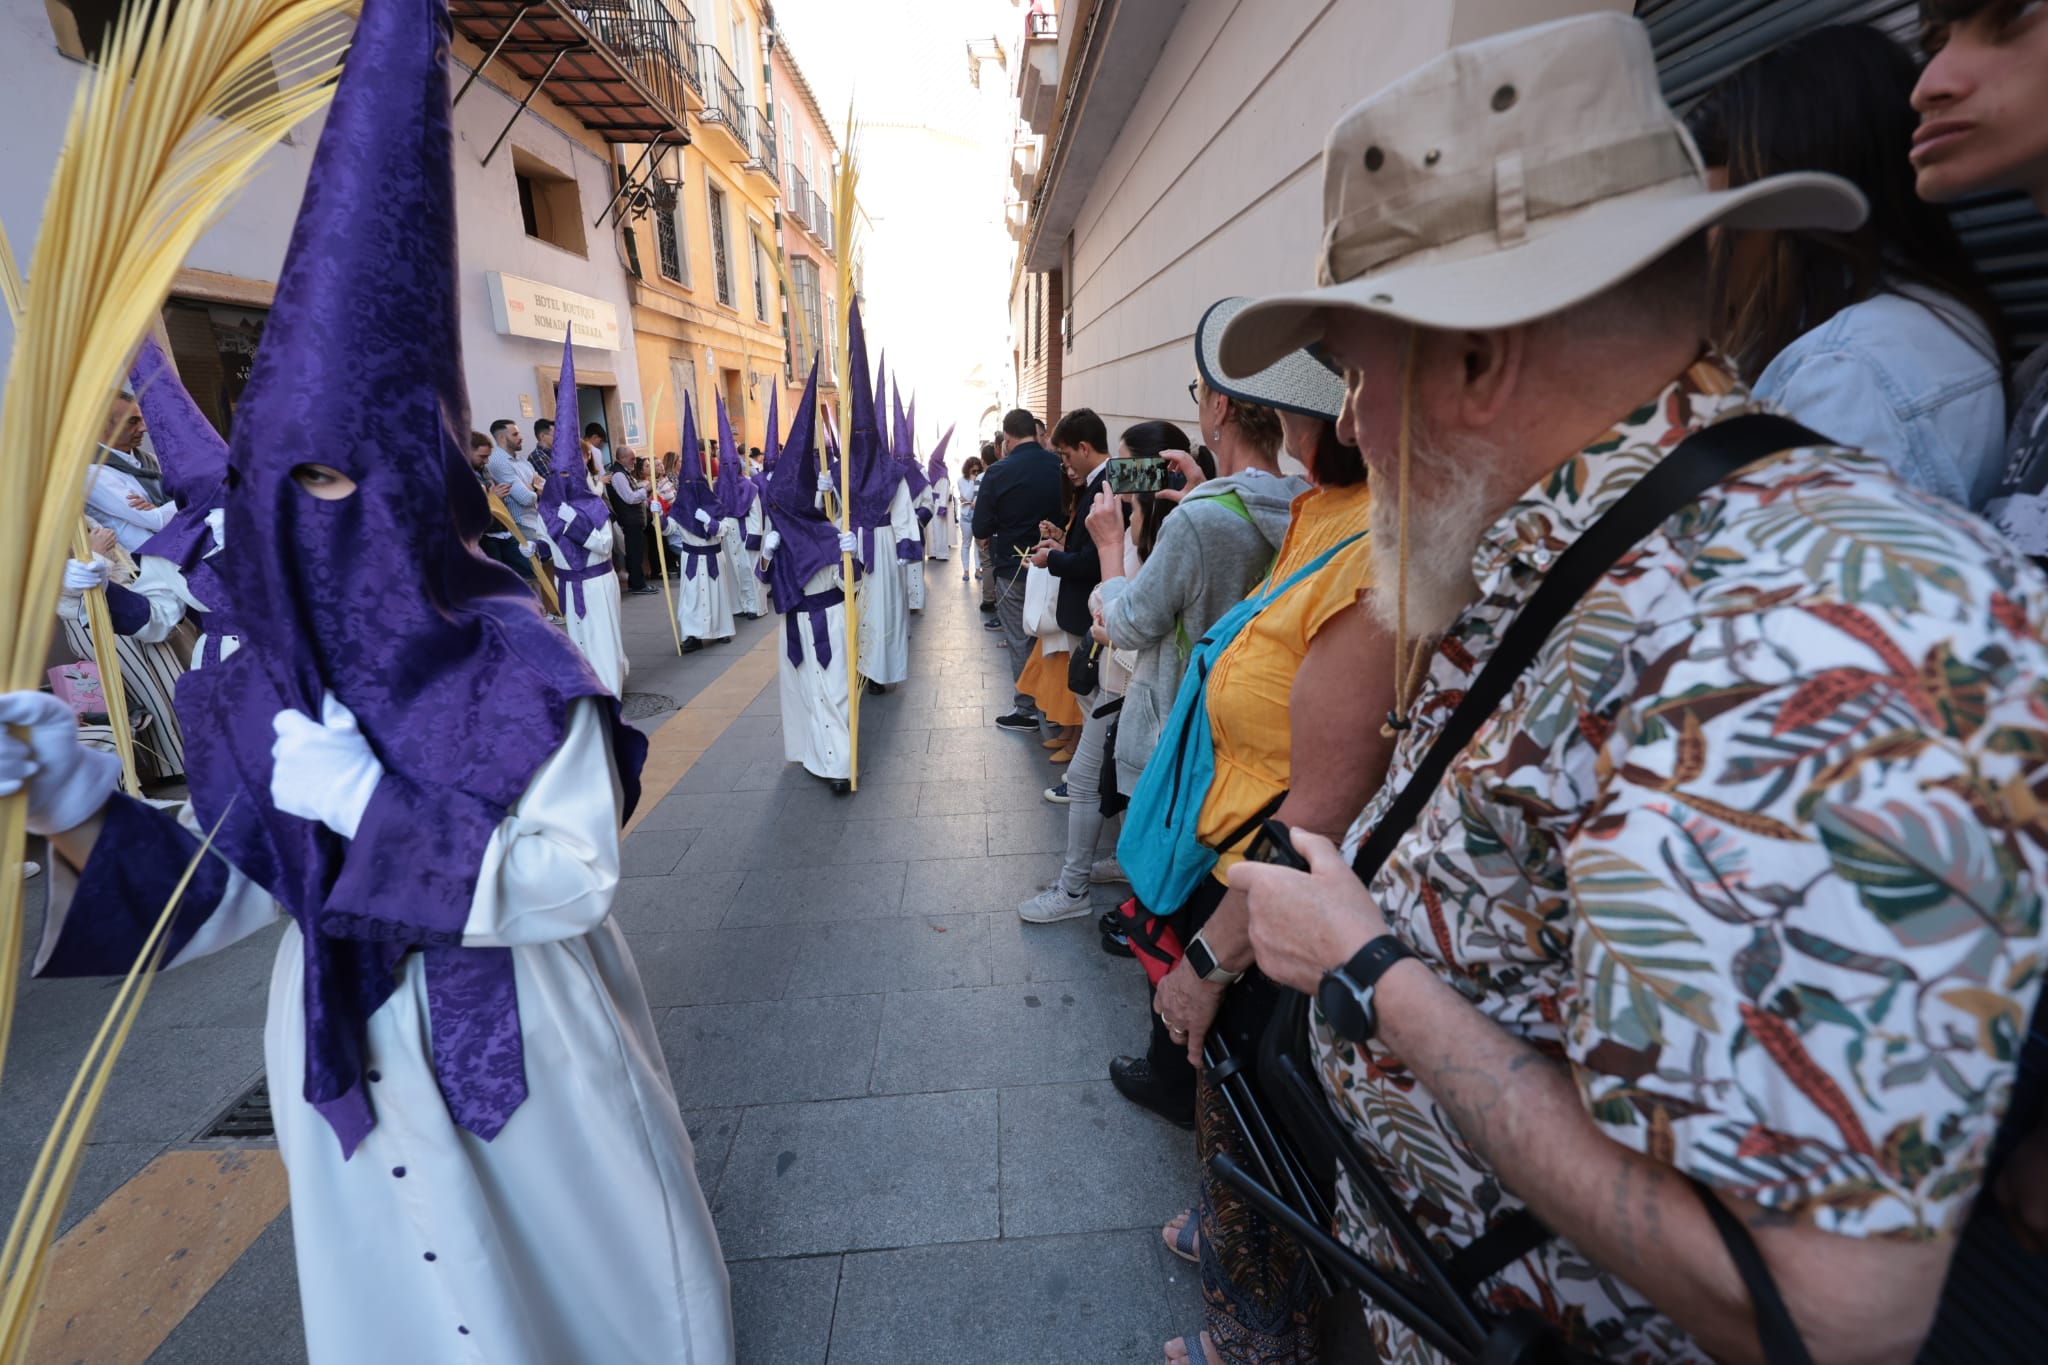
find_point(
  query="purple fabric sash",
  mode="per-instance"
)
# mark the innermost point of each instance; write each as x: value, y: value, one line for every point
x: 753, y: 544
x: 909, y: 551
x: 576, y: 578
x: 944, y: 513
x: 693, y: 553
x: 813, y: 606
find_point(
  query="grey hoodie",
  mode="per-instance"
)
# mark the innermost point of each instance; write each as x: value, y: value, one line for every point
x: 1207, y: 559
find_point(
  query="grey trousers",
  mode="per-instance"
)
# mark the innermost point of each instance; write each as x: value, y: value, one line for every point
x: 1018, y: 644
x: 1084, y: 795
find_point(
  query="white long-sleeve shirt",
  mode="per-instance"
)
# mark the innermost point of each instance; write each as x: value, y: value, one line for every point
x: 106, y: 499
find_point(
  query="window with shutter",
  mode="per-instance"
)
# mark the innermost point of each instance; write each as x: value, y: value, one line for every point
x: 721, y: 250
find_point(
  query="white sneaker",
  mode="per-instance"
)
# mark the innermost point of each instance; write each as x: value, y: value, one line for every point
x: 31, y: 870
x: 1108, y: 872
x: 1053, y: 905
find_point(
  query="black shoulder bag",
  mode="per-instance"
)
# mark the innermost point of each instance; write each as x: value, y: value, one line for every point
x: 1698, y: 463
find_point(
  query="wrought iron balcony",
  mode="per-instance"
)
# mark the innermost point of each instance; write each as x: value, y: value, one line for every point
x: 796, y: 197
x: 725, y: 99
x: 1041, y: 24
x: 765, y: 159
x: 625, y: 68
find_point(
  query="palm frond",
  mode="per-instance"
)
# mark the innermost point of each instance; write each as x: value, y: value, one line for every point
x: 160, y: 137
x: 25, y: 1256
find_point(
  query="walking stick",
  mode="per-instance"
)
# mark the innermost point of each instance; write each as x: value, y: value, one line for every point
x: 668, y: 593
x: 543, y: 572
x: 100, y: 625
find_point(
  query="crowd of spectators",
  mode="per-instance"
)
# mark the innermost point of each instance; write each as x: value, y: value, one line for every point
x: 1688, y: 1009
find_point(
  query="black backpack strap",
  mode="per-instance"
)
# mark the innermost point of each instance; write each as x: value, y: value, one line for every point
x: 1696, y: 464
x: 1774, y: 1325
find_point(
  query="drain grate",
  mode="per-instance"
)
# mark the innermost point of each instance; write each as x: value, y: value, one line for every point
x: 246, y: 1119
x: 641, y: 705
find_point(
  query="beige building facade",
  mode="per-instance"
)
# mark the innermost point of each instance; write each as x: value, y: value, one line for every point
x: 1169, y: 155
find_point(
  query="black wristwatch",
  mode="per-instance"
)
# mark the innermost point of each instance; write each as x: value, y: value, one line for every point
x: 1205, y: 964
x: 1346, y: 993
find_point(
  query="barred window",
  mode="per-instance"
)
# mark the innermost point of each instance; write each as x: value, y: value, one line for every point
x: 721, y: 252
x: 666, y: 248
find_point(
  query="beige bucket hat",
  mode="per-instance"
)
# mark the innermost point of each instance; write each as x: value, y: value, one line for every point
x: 1509, y: 179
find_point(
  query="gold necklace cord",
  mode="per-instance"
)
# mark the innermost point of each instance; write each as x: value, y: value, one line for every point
x: 1411, y: 657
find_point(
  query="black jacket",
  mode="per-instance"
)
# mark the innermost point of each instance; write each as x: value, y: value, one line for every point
x: 1019, y: 491
x: 1079, y: 567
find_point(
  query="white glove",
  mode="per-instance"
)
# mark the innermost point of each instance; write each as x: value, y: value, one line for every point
x: 825, y: 484
x: 599, y: 542
x: 704, y: 519
x: 848, y: 543
x: 66, y: 782
x: 80, y: 579
x: 526, y: 548
x: 83, y: 578
x: 323, y: 769
x: 770, y: 543
x: 216, y: 522
x: 567, y: 514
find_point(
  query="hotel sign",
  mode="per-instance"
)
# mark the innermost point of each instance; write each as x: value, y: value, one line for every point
x: 528, y: 308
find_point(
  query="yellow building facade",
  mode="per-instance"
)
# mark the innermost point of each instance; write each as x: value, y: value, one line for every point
x: 706, y: 302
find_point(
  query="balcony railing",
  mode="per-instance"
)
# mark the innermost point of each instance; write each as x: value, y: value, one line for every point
x: 653, y: 40
x: 796, y: 196
x: 725, y: 99
x: 821, y: 217
x: 1041, y: 24
x: 763, y: 142
x: 627, y: 69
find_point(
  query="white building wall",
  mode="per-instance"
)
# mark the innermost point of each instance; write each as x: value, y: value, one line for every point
x: 41, y: 84
x: 249, y: 241
x: 1214, y: 186
x: 492, y: 237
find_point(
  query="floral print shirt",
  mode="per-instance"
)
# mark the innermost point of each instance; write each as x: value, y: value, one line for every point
x: 1756, y: 845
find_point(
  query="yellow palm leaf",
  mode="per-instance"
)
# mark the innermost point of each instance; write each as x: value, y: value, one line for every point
x: 160, y: 138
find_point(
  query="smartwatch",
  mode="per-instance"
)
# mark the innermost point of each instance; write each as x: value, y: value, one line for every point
x: 1205, y: 964
x: 1346, y: 995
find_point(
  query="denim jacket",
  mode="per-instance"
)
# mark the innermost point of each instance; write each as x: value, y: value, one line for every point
x: 1911, y: 377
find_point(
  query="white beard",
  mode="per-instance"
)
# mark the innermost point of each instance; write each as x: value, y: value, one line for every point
x: 1450, y: 508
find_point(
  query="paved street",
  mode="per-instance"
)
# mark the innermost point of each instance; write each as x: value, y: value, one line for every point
x: 897, y: 1090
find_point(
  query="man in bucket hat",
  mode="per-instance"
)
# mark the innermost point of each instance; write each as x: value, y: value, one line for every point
x: 1733, y: 905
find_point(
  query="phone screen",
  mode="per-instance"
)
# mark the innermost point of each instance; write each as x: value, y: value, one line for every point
x: 1137, y: 474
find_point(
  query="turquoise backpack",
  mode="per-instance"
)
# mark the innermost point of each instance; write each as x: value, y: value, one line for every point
x: 1158, y: 847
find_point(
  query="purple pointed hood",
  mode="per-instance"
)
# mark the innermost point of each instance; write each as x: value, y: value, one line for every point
x: 735, y: 491
x: 694, y: 493
x: 770, y: 449
x: 874, y: 474
x: 810, y: 541
x: 902, y: 450
x: 569, y: 481
x: 381, y: 598
x: 195, y: 467
x: 936, y: 470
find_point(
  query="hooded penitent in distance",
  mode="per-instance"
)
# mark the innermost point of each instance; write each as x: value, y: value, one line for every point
x: 195, y: 468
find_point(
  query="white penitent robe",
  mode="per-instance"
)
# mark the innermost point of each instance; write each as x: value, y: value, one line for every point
x: 913, y: 554
x: 746, y: 589
x: 579, y: 1233
x: 816, y: 714
x: 752, y: 531
x: 938, y: 533
x: 703, y: 603
x: 884, y: 608
x: 595, y: 631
